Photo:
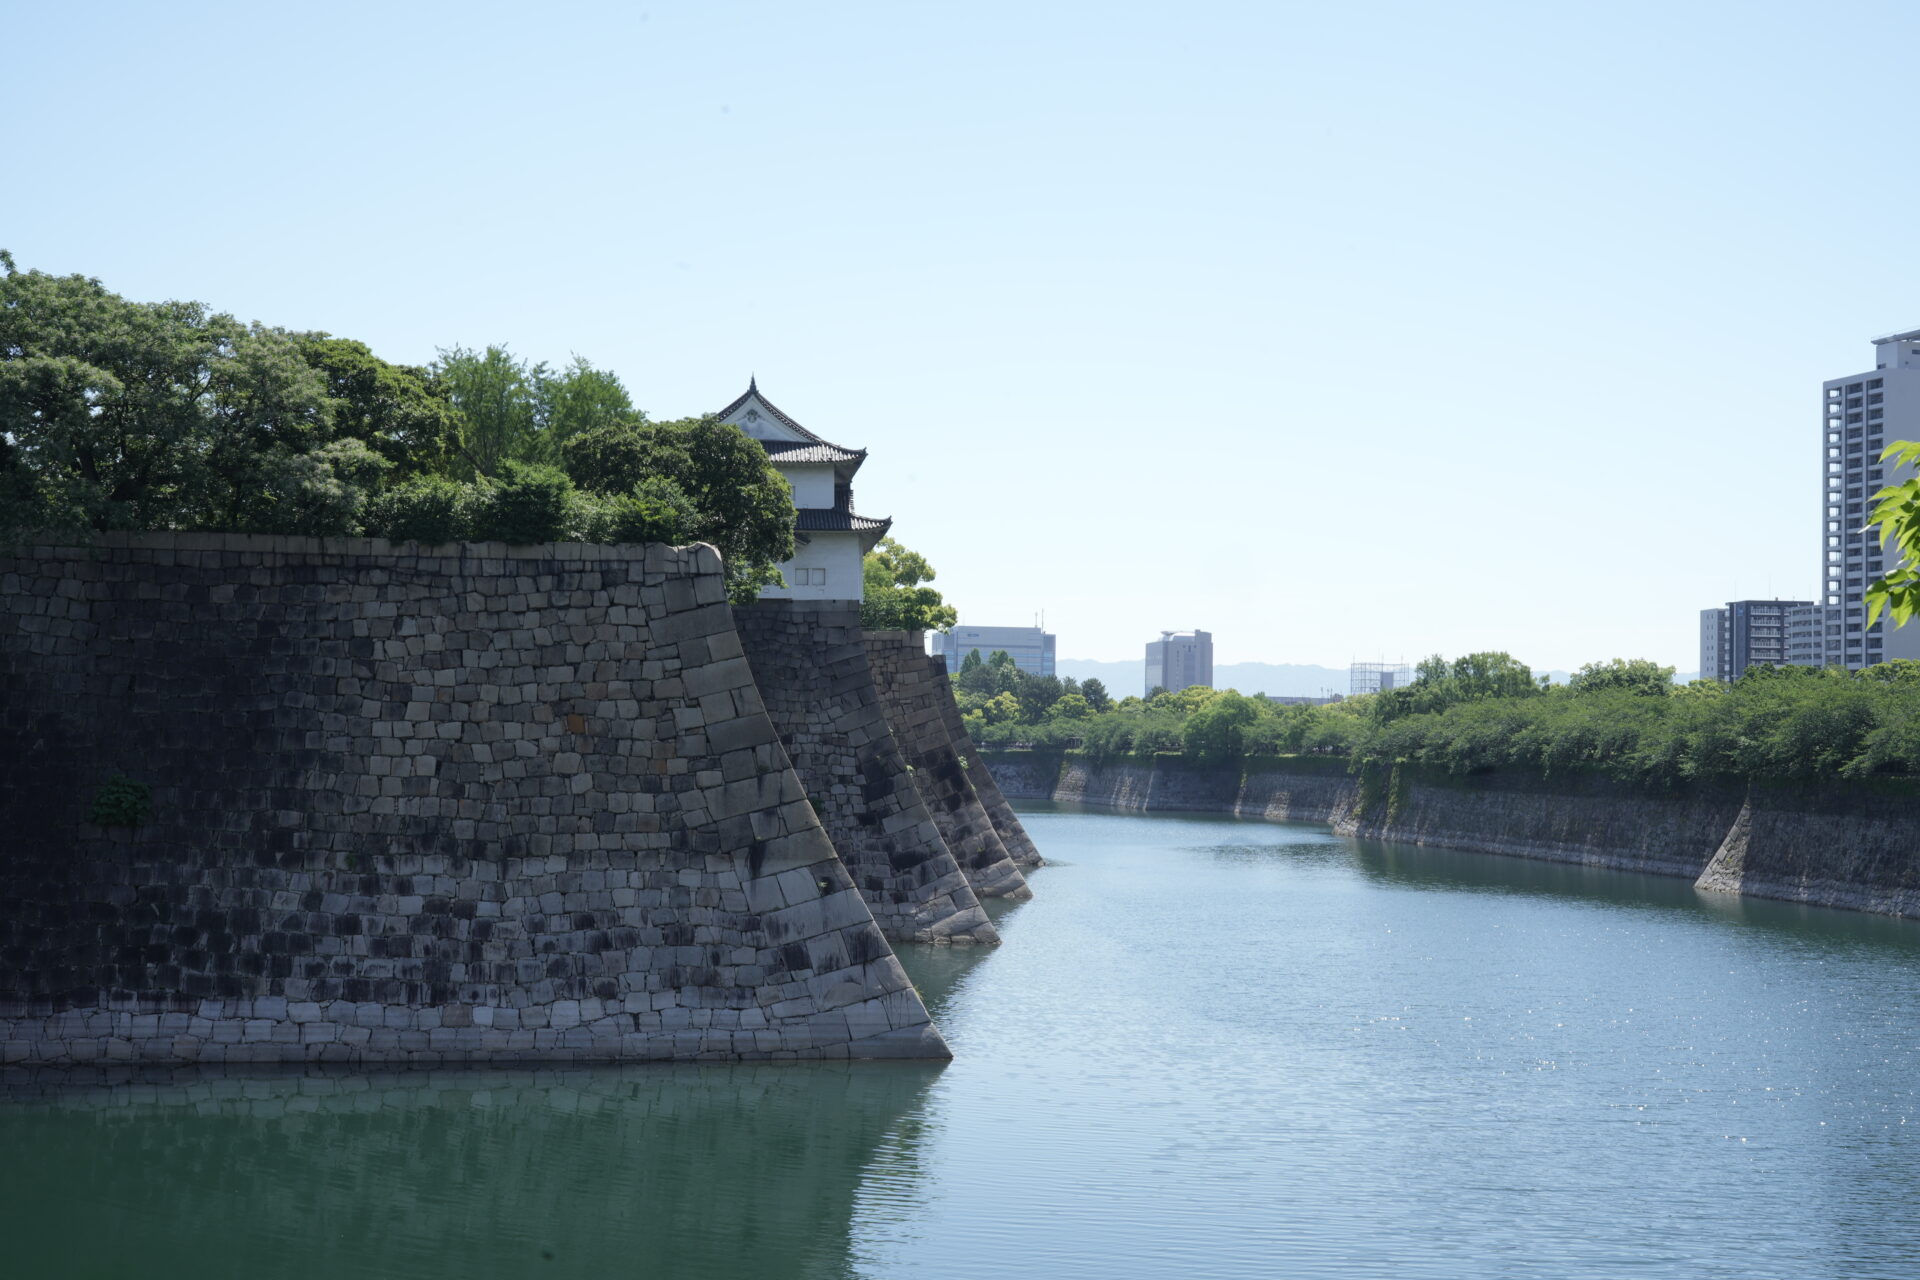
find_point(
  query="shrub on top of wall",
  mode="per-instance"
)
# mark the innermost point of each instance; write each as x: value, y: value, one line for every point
x: 529, y: 503
x: 426, y: 509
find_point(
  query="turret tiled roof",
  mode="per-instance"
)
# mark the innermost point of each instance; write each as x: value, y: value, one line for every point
x: 801, y: 451
x: 837, y: 520
x: 839, y: 452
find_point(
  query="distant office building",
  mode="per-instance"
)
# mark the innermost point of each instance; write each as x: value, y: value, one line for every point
x: 1377, y: 677
x: 1179, y: 660
x: 1859, y: 415
x: 1753, y: 633
x: 1716, y: 652
x: 1030, y: 648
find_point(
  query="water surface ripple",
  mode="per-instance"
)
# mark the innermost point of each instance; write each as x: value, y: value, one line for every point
x: 1207, y: 1048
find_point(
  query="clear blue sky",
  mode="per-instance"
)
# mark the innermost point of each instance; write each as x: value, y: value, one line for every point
x: 1341, y: 331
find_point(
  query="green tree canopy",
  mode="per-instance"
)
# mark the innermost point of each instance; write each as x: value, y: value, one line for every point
x: 128, y: 415
x: 498, y: 399
x: 401, y: 413
x: 1072, y: 706
x: 1634, y: 675
x: 741, y: 503
x: 892, y: 597
x: 1095, y: 692
x: 1216, y: 733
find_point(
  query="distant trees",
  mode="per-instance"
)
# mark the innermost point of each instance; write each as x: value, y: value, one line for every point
x: 1098, y: 699
x: 1635, y: 675
x: 1623, y: 719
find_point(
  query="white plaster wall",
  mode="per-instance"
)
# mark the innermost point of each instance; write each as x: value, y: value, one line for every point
x: 836, y: 553
x: 812, y: 486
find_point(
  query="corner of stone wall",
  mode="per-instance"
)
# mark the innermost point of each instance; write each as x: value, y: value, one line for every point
x: 913, y: 703
x: 810, y: 665
x: 1019, y: 846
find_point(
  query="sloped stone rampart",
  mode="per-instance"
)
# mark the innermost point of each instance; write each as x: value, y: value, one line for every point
x: 810, y: 665
x: 1020, y: 847
x: 911, y: 698
x: 443, y: 805
x: 1834, y: 845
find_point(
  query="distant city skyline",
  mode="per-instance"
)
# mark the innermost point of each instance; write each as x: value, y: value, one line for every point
x: 1449, y: 329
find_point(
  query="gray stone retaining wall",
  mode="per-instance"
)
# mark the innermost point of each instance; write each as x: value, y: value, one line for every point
x: 1848, y: 844
x: 911, y: 699
x: 1833, y: 846
x: 411, y: 805
x: 811, y: 667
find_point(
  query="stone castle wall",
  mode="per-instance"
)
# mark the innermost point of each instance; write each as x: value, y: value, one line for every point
x: 811, y: 667
x: 1833, y: 845
x: 1853, y: 844
x: 941, y: 765
x: 443, y: 805
x: 1006, y: 825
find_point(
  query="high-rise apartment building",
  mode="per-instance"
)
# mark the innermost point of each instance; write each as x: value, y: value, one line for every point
x: 1179, y: 659
x: 1757, y: 633
x: 1030, y: 647
x: 1716, y: 645
x: 1811, y: 630
x: 1751, y: 633
x: 1860, y: 414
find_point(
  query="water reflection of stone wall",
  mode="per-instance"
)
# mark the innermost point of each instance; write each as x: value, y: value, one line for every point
x: 675, y: 1171
x: 913, y: 701
x: 475, y: 803
x: 811, y: 668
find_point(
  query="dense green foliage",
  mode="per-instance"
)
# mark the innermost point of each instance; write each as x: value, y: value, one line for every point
x: 892, y: 598
x: 137, y: 416
x: 1485, y: 712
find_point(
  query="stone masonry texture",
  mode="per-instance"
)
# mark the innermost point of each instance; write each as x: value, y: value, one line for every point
x: 811, y: 667
x: 411, y: 805
x: 1006, y: 825
x: 942, y: 765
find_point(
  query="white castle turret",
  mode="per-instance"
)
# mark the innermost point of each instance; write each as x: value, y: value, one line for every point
x: 830, y: 539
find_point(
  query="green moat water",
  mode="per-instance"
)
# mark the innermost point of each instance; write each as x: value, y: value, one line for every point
x: 1208, y: 1048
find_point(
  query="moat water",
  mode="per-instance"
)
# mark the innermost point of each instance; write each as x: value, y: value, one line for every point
x: 1208, y: 1048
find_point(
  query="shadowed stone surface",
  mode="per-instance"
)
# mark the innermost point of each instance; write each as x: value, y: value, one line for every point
x: 1006, y: 825
x: 941, y: 765
x: 459, y: 804
x: 811, y: 667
